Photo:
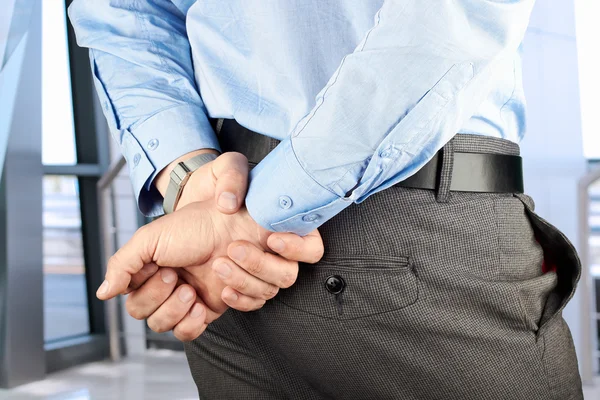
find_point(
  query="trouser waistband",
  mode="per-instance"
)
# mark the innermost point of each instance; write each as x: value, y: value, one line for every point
x: 467, y: 163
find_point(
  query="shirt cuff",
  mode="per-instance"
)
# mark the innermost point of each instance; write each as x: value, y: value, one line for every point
x: 283, y: 197
x: 152, y: 145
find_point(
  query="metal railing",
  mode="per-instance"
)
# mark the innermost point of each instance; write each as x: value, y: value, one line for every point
x: 108, y: 229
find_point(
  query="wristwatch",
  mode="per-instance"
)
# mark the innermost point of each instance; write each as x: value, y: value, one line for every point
x: 179, y: 177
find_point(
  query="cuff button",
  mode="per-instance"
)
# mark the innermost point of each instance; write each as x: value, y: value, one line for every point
x: 311, y: 218
x: 153, y: 144
x: 285, y: 202
x: 389, y: 152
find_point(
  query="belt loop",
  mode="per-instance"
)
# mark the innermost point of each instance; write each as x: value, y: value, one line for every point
x: 219, y: 125
x: 445, y: 176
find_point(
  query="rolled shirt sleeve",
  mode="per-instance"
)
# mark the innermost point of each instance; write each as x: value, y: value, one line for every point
x: 418, y: 75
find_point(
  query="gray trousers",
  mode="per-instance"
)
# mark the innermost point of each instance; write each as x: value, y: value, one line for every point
x: 447, y: 295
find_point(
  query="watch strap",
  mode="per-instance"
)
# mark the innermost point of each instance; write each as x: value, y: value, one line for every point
x: 179, y: 177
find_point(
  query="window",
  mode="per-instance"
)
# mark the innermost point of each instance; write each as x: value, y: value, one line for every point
x: 65, y: 295
x: 58, y: 139
x: 588, y: 32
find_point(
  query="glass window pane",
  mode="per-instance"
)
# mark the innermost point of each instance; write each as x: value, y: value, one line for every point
x: 65, y: 295
x: 588, y: 32
x: 58, y: 139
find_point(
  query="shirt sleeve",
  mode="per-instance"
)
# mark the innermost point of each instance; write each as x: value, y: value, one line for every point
x: 143, y: 73
x: 418, y: 75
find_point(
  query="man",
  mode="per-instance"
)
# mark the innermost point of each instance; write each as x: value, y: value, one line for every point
x: 441, y: 283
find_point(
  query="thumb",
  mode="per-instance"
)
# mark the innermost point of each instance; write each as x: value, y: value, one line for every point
x: 308, y: 249
x: 126, y: 262
x: 231, y: 173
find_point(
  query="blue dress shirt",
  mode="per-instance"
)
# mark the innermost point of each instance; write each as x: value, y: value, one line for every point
x: 361, y: 93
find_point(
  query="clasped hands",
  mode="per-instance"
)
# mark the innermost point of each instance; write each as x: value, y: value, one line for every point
x: 184, y: 270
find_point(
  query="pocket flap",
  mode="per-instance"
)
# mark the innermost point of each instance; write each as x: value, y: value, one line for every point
x: 351, y: 288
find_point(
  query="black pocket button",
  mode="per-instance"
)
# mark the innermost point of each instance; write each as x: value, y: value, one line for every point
x: 335, y: 284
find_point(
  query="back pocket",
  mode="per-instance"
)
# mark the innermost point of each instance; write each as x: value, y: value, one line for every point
x: 353, y: 287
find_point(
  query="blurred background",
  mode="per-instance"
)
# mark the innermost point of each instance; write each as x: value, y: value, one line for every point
x: 65, y: 203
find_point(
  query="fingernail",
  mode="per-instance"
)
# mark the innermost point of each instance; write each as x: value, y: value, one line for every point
x: 149, y: 269
x: 168, y: 276
x: 103, y: 289
x: 238, y: 253
x: 222, y: 269
x: 186, y: 294
x: 231, y: 296
x: 197, y: 311
x: 278, y: 245
x: 228, y: 201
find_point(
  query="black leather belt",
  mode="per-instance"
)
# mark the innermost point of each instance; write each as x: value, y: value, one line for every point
x: 471, y: 172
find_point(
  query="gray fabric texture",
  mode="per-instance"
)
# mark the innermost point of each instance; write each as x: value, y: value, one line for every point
x: 443, y: 300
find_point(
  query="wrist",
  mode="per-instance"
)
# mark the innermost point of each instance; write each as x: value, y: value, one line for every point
x: 258, y: 232
x: 241, y: 226
x: 161, y: 182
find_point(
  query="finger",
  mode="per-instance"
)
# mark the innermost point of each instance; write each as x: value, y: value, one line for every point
x: 239, y: 279
x: 192, y: 325
x: 265, y: 266
x: 307, y: 249
x: 173, y: 310
x: 139, y: 278
x: 147, y: 299
x: 208, y: 293
x: 230, y: 171
x: 131, y: 289
x: 128, y: 260
x: 239, y: 301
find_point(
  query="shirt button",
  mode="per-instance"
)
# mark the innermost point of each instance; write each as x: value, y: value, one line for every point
x: 153, y: 144
x: 388, y: 152
x: 136, y: 159
x: 335, y: 284
x: 285, y: 202
x: 311, y: 218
